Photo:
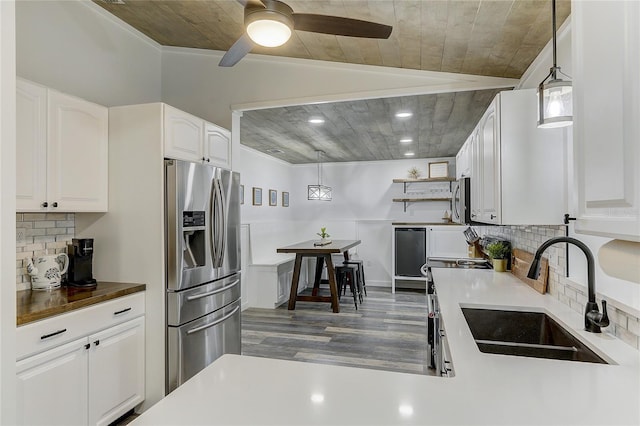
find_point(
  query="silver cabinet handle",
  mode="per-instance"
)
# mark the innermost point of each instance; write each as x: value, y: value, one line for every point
x: 211, y: 293
x: 204, y: 327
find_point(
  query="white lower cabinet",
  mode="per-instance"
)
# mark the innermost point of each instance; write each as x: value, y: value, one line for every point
x: 52, y: 386
x: 91, y: 380
x: 116, y: 371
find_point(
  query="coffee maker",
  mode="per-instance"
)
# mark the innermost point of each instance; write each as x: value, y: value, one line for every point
x: 80, y: 263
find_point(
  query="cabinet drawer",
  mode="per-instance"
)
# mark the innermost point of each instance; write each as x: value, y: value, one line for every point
x: 42, y: 335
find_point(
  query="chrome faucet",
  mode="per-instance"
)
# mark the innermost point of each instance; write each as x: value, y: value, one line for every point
x: 593, y: 319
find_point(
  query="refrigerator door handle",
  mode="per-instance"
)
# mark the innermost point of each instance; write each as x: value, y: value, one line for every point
x: 223, y: 225
x: 211, y: 293
x: 216, y: 322
x: 212, y: 221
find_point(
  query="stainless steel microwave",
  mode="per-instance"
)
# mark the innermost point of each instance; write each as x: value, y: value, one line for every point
x: 461, y: 202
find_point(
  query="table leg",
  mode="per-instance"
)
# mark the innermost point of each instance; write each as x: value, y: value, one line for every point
x: 333, y: 287
x: 294, y: 282
x: 316, y: 282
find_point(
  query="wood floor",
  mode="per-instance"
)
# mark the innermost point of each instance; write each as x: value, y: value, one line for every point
x: 387, y: 332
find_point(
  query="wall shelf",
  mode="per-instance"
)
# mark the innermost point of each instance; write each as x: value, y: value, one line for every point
x: 407, y: 200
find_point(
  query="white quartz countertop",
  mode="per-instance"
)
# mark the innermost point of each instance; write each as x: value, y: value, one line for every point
x: 487, y: 389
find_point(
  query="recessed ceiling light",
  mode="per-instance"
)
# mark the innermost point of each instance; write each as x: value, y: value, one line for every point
x: 404, y: 114
x: 316, y: 120
x: 409, y: 154
x: 406, y: 140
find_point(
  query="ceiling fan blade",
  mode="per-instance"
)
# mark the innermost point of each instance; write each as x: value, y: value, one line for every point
x: 252, y: 3
x: 340, y: 26
x: 238, y: 51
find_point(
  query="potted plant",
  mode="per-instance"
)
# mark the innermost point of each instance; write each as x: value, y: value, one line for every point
x: 499, y: 253
x: 323, y: 235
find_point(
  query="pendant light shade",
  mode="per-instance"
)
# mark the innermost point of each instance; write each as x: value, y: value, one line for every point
x: 555, y: 95
x: 319, y: 192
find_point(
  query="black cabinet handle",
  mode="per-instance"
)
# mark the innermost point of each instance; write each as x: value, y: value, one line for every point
x: 493, y: 216
x: 55, y: 333
x: 55, y: 204
x: 97, y: 342
x: 87, y: 346
x: 122, y: 311
x: 204, y: 159
x: 45, y: 204
x: 208, y: 160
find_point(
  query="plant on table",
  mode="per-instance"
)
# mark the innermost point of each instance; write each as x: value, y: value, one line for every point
x: 323, y: 233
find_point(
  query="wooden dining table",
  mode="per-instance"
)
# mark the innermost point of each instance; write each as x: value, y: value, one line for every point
x: 322, y: 253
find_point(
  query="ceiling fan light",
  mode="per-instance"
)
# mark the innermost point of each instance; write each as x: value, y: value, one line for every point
x: 555, y: 104
x: 269, y: 32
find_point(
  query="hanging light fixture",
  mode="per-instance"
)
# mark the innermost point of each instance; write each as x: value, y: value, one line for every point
x: 555, y: 103
x: 319, y: 191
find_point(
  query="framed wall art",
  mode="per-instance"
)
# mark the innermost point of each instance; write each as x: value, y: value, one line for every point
x: 439, y: 169
x: 285, y: 199
x: 273, y: 197
x: 257, y: 196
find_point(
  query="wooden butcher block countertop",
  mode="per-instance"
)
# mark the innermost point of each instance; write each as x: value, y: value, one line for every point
x: 35, y: 305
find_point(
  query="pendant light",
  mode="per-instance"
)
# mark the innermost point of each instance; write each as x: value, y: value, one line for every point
x: 555, y: 103
x: 319, y: 191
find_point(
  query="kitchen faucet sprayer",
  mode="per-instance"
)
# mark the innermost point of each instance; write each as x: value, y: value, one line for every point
x: 593, y: 319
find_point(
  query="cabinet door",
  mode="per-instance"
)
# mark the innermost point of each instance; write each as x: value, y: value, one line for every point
x: 116, y: 371
x: 606, y: 125
x: 52, y: 386
x: 476, y: 174
x: 217, y: 146
x: 463, y: 159
x: 77, y: 156
x: 490, y: 167
x: 183, y: 135
x: 31, y: 146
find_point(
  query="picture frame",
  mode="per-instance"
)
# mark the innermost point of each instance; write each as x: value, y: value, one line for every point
x: 257, y: 196
x: 241, y: 194
x: 439, y: 169
x: 273, y: 197
x: 285, y: 199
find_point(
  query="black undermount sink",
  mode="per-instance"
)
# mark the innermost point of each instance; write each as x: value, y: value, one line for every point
x: 530, y: 334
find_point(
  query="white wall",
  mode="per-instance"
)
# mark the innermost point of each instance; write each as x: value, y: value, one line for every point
x: 7, y: 213
x: 192, y: 81
x: 266, y: 172
x: 78, y: 48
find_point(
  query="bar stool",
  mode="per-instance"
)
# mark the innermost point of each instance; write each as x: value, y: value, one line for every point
x: 346, y: 275
x: 360, y: 272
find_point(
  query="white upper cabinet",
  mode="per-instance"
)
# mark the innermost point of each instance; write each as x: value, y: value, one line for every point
x: 489, y: 139
x: 217, y: 145
x: 189, y: 138
x: 31, y: 149
x: 183, y: 135
x: 61, y: 150
x: 518, y: 171
x: 463, y: 159
x: 606, y: 66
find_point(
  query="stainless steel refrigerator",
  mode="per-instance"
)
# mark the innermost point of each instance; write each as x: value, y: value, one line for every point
x: 202, y: 206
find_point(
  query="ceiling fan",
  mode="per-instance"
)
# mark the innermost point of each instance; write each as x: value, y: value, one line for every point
x: 270, y: 23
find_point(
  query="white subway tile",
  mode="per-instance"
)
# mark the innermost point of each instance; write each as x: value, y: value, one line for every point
x: 34, y: 216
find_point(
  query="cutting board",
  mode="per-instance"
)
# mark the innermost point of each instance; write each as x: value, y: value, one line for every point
x: 520, y: 263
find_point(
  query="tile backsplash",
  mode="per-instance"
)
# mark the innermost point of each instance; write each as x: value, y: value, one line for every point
x: 38, y: 234
x: 625, y: 325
